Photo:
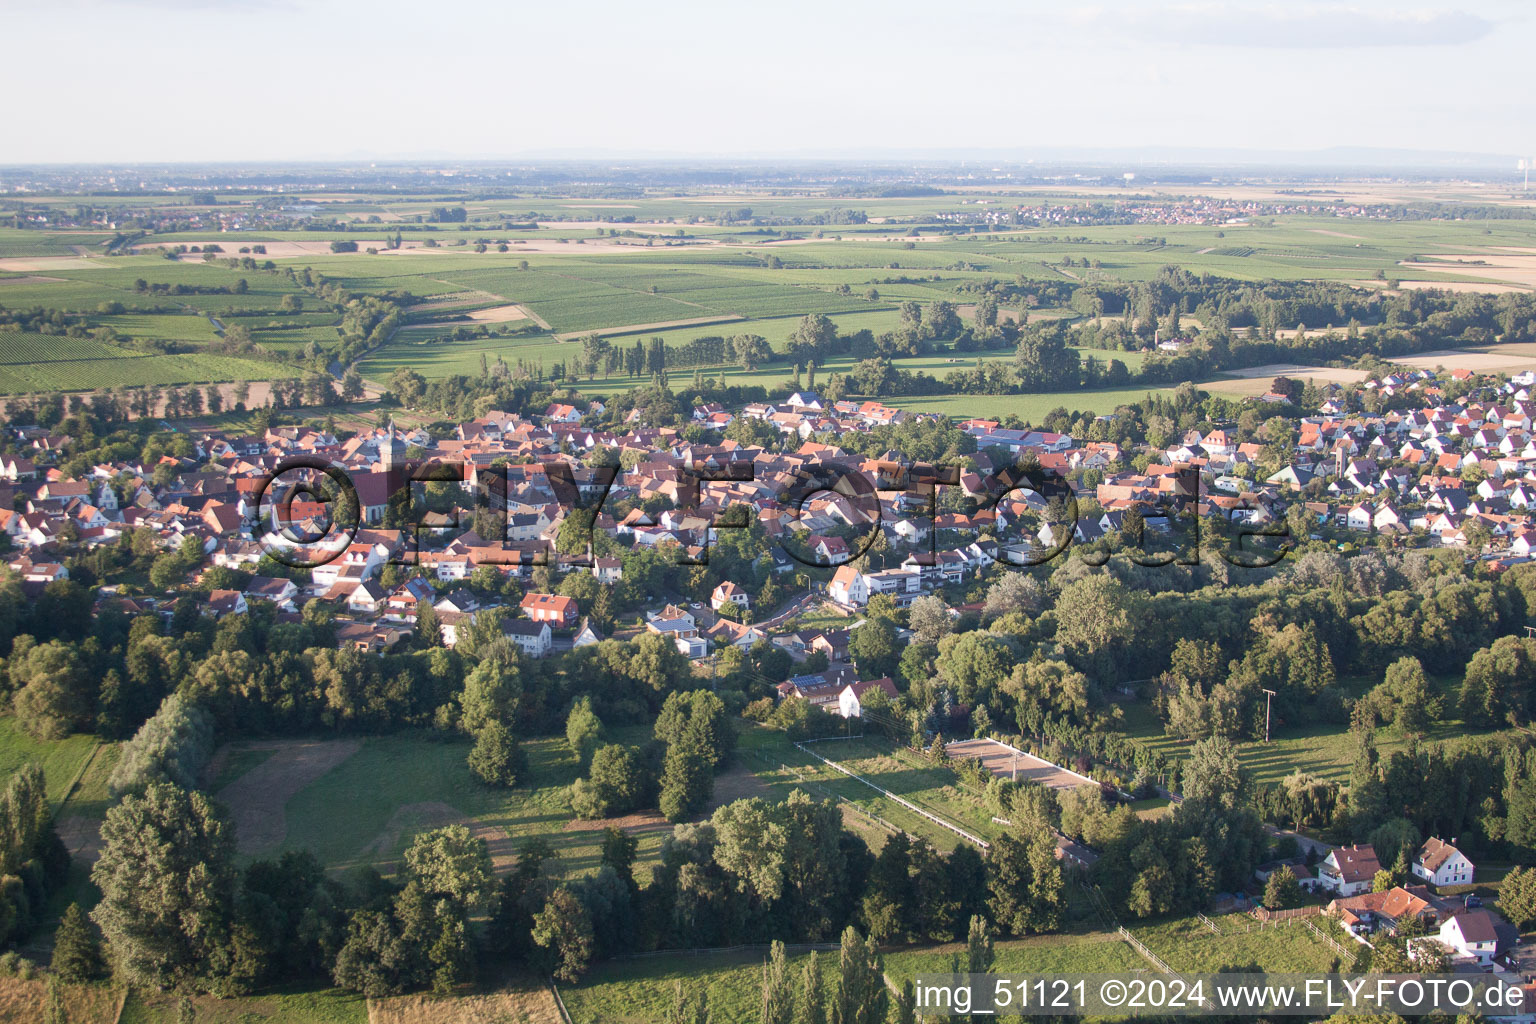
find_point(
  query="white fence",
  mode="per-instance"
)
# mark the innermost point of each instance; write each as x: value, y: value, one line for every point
x: 909, y: 805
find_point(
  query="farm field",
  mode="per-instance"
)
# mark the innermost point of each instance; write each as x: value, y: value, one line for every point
x: 1031, y: 408
x: 640, y: 991
x: 521, y: 1000
x: 360, y: 802
x: 770, y: 277
x: 21, y: 1001
x: 282, y: 1006
x: 1081, y: 952
x: 42, y: 362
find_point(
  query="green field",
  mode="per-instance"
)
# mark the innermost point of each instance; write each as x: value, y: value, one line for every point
x: 1325, y: 750
x: 1187, y: 945
x: 280, y: 1006
x: 44, y: 362
x: 641, y: 991
x: 782, y: 765
x: 1085, y: 952
x: 61, y: 760
x: 1030, y: 408
x: 367, y: 809
x: 593, y: 282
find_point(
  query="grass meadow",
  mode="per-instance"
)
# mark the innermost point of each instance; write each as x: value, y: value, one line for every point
x: 62, y: 761
x: 641, y: 991
x: 366, y: 809
x: 1323, y: 749
x: 279, y: 1006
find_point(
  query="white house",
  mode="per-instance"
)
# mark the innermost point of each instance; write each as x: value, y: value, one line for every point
x: 848, y: 587
x: 587, y: 635
x: 1349, y: 870
x: 1472, y: 934
x: 900, y: 584
x: 533, y: 637
x: 850, y: 702
x: 1440, y: 863
x: 729, y: 593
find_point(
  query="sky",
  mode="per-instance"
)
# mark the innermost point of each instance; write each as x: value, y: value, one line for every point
x: 122, y: 81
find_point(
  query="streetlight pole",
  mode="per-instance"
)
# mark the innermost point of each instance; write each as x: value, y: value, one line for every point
x: 1267, y: 695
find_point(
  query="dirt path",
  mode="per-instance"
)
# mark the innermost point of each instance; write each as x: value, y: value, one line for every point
x: 82, y: 837
x: 258, y: 799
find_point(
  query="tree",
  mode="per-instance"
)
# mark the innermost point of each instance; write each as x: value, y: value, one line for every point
x: 874, y: 647
x: 57, y: 689
x: 1014, y: 592
x: 1025, y: 883
x: 427, y: 632
x: 687, y: 780
x: 778, y: 991
x: 491, y: 690
x: 497, y: 759
x: 617, y: 783
x: 376, y: 958
x: 979, y: 953
x: 1281, y: 890
x: 1405, y: 696
x: 929, y: 619
x: 1213, y: 774
x: 1498, y: 687
x: 583, y: 730
x: 1383, y: 881
x: 1517, y: 897
x: 860, y: 996
x: 563, y: 929
x: 77, y: 953
x: 813, y: 1005
x: 172, y: 746
x: 686, y: 1010
x: 1094, y: 621
x: 167, y: 880
x: 450, y: 863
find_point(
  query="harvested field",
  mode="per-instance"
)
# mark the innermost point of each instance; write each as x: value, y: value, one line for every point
x: 1513, y: 268
x: 1509, y: 359
x: 22, y: 1002
x: 1003, y: 761
x: 31, y: 263
x: 1471, y: 287
x: 1256, y: 380
x: 526, y: 1001
x: 258, y: 799
x: 31, y: 279
x: 275, y: 250
x: 498, y: 314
